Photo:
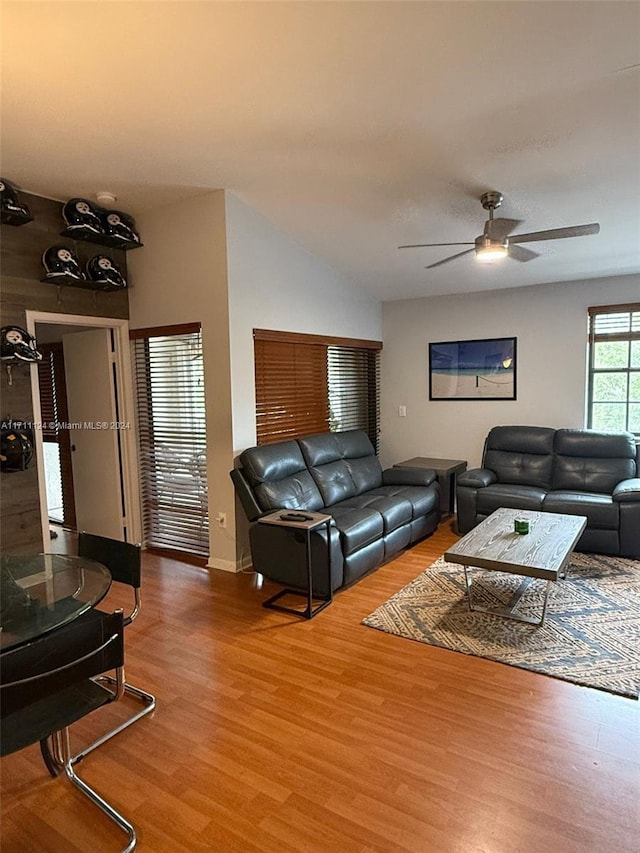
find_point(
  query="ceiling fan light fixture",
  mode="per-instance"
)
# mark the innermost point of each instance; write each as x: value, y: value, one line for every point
x: 488, y: 250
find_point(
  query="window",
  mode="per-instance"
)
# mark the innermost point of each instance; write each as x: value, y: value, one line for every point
x: 614, y: 368
x: 58, y: 468
x: 172, y: 437
x: 313, y: 383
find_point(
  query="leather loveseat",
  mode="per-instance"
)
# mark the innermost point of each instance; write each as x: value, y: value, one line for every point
x: 570, y: 471
x: 375, y: 513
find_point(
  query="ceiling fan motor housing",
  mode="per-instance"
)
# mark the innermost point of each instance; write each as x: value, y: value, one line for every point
x: 485, y: 242
x: 491, y: 200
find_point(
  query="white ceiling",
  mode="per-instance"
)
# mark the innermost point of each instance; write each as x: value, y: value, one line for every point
x: 352, y: 126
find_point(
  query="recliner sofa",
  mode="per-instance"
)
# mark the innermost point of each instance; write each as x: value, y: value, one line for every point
x: 571, y: 471
x: 375, y: 513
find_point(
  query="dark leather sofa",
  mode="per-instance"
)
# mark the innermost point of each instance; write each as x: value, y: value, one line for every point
x: 571, y: 471
x: 375, y: 513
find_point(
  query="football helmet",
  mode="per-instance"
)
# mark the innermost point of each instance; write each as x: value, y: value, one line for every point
x: 81, y: 217
x: 103, y: 271
x: 59, y: 262
x: 120, y: 226
x: 12, y: 207
x: 18, y: 345
x: 16, y: 446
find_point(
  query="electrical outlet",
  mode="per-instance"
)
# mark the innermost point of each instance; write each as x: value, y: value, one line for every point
x: 402, y: 411
x: 222, y: 519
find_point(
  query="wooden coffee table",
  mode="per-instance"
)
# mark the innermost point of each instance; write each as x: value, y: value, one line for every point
x: 544, y: 552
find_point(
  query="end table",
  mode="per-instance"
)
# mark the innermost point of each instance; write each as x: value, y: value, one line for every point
x: 308, y: 522
x: 446, y: 470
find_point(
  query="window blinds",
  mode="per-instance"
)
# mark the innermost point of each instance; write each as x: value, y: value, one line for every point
x: 291, y: 390
x: 354, y: 398
x: 54, y: 414
x: 621, y: 321
x: 310, y: 383
x: 614, y: 368
x: 172, y: 437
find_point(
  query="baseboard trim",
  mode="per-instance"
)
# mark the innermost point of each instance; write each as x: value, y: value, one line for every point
x: 230, y: 565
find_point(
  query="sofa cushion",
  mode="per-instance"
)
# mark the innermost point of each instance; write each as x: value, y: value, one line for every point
x: 600, y: 510
x: 590, y: 461
x: 280, y: 478
x: 358, y: 527
x: 510, y: 496
x: 395, y: 511
x: 352, y: 448
x: 366, y: 473
x: 423, y: 499
x: 334, y: 482
x: 320, y: 449
x: 520, y: 455
x: 360, y: 457
x: 296, y: 492
x: 272, y: 461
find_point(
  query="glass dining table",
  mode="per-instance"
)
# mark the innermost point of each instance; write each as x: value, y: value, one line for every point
x: 42, y: 592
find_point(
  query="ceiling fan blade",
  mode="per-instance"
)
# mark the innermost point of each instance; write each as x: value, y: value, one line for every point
x: 452, y: 258
x: 557, y: 233
x: 519, y: 253
x: 428, y: 245
x: 498, y: 229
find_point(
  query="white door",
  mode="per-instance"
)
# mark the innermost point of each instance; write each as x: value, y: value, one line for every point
x: 91, y: 394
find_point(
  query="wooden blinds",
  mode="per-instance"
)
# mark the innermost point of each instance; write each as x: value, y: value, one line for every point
x: 291, y: 390
x: 309, y: 383
x: 172, y: 437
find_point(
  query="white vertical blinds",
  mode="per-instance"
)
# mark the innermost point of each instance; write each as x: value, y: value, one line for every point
x: 172, y: 438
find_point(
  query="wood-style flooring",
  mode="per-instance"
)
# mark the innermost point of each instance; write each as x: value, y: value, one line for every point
x: 324, y: 736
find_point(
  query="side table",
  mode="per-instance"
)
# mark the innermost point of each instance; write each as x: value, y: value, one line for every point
x: 308, y: 522
x: 446, y: 470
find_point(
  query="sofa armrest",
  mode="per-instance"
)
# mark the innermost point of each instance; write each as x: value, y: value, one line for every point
x: 477, y: 478
x: 408, y: 476
x: 627, y: 490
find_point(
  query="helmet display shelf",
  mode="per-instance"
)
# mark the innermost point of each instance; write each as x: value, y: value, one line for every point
x: 89, y: 223
x: 63, y: 269
x: 102, y: 240
x: 13, y: 210
x: 16, y: 218
x: 86, y: 283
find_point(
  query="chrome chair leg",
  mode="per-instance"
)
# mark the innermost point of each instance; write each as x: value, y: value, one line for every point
x: 102, y: 804
x: 149, y: 704
x: 51, y: 755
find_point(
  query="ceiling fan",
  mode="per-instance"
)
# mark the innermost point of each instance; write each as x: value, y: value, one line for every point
x: 495, y: 243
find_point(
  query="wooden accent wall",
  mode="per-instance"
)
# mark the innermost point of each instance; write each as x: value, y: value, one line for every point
x: 21, y: 290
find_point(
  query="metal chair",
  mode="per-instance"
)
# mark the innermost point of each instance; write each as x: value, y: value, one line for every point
x: 123, y: 559
x: 49, y: 684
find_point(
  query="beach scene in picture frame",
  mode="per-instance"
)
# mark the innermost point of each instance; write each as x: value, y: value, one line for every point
x: 473, y: 370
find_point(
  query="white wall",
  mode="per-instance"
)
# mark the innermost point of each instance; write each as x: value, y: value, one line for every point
x: 180, y: 276
x: 214, y: 260
x: 276, y: 284
x: 550, y: 323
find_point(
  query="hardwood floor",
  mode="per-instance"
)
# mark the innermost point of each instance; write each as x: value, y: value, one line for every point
x: 277, y: 734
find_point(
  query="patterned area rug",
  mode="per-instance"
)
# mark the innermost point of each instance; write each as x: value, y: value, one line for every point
x: 591, y: 633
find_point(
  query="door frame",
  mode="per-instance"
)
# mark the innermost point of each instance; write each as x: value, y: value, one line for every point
x: 126, y: 408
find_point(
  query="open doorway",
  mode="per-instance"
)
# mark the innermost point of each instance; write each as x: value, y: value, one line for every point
x: 94, y: 433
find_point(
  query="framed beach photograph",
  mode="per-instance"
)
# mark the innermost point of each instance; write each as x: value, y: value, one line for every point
x: 473, y: 370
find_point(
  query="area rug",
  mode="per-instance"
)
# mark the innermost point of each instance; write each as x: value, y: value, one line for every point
x: 591, y: 633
